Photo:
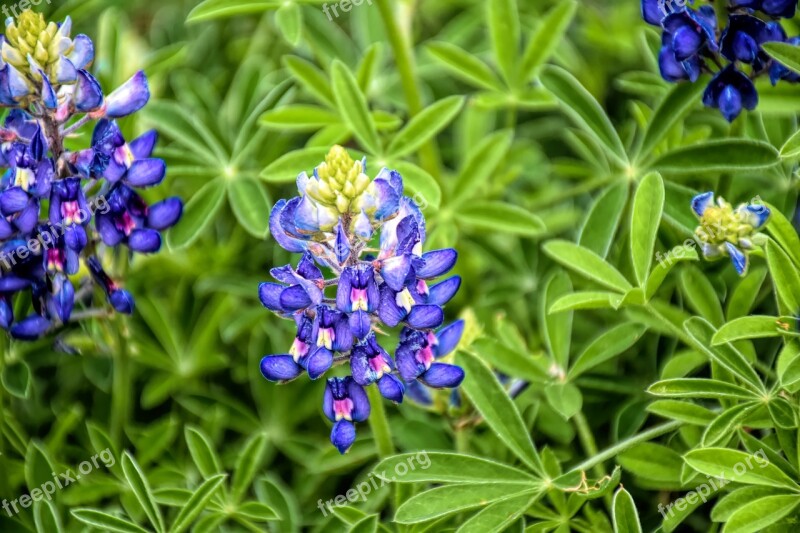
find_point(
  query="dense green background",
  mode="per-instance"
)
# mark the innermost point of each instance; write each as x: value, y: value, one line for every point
x: 509, y: 154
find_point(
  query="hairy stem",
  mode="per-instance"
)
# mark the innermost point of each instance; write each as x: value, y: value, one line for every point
x: 404, y: 58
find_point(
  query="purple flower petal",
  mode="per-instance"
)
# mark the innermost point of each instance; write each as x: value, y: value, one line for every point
x: 448, y: 338
x: 146, y: 172
x: 389, y: 312
x: 443, y: 292
x: 360, y: 324
x: 440, y: 375
x: 425, y: 317
x: 318, y: 362
x: 395, y: 271
x: 122, y: 301
x: 165, y: 214
x: 142, y: 147
x: 30, y: 328
x: 391, y: 388
x: 88, y: 93
x: 437, y: 262
x: 108, y: 230
x: 279, y: 234
x: 130, y: 97
x: 270, y: 296
x: 13, y: 201
x: 82, y: 53
x: 280, y: 368
x: 294, y: 298
x: 144, y: 241
x: 361, y: 407
x: 343, y: 435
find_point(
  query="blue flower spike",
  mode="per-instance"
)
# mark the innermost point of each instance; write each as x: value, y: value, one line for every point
x: 90, y: 195
x: 728, y: 231
x: 692, y: 43
x: 338, y: 213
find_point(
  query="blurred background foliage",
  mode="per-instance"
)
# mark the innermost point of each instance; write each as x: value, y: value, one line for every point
x: 246, y: 94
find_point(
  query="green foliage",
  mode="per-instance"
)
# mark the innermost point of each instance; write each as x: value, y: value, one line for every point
x: 611, y: 371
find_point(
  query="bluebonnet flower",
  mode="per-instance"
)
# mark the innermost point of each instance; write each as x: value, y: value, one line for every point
x: 334, y: 221
x: 90, y: 194
x: 725, y: 231
x: 692, y: 43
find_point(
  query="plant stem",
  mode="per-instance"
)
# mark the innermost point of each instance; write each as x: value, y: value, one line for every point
x: 120, y: 395
x: 625, y: 444
x: 379, y: 424
x: 587, y: 440
x: 404, y: 58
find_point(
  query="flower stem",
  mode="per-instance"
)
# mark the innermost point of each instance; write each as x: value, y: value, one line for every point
x: 587, y: 440
x: 120, y: 395
x: 404, y: 58
x: 379, y: 424
x: 644, y: 436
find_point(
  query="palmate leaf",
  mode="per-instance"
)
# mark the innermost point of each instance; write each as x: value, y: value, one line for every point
x: 196, y: 503
x: 479, y: 165
x: 198, y: 214
x: 454, y: 468
x: 748, y: 327
x: 648, y: 204
x: 465, y: 65
x: 501, y: 216
x: 600, y: 226
x: 500, y: 413
x: 546, y: 38
x: 106, y: 522
x: 587, y: 263
x: 424, y: 126
x: 141, y: 489
x: 250, y: 205
x: 449, y: 499
x: 787, y: 54
x: 353, y: 108
x: 680, y: 100
x: 216, y: 9
x: 557, y: 327
x: 504, y: 32
x: 729, y: 463
x: 719, y: 155
x: 755, y: 515
x: 626, y: 518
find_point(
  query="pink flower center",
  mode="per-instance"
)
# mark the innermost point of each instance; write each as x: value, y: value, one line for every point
x: 425, y: 357
x: 358, y: 297
x: 343, y: 409
x: 70, y: 212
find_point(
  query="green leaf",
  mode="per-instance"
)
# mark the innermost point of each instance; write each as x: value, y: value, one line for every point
x: 215, y: 9
x: 368, y: 524
x: 425, y: 125
x: 683, y: 411
x: 546, y: 38
x: 723, y: 426
x: 756, y: 515
x: 791, y: 148
x: 38, y: 466
x: 664, y: 266
x: 422, y: 187
x: 508, y: 360
x: 197, y: 503
x: 465, y: 65
x: 734, y: 500
x: 141, y: 489
x: 16, y: 379
x: 557, y: 327
x: 504, y: 33
x: 450, y: 499
x: 500, y: 413
x: 247, y: 464
x: 700, y: 295
x: 500, y: 216
x: 565, y: 398
x: 671, y: 110
x: 719, y: 155
x: 312, y: 78
x: 702, y: 332
x: 587, y: 263
x: 648, y: 204
x: 443, y: 467
x: 481, y: 163
x: 353, y: 108
x: 608, y: 345
x: 581, y: 106
x: 106, y: 522
x: 600, y: 226
x: 653, y: 462
x: 785, y: 277
x: 747, y: 327
x: 198, y: 214
x: 289, y: 19
x: 586, y: 300
x: 286, y: 168
x: 626, y: 518
x: 739, y: 467
x: 299, y: 117
x: 784, y: 234
x: 250, y: 205
x: 699, y: 388
x: 785, y: 53
x: 499, y: 515
x: 46, y: 517
x: 202, y: 451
